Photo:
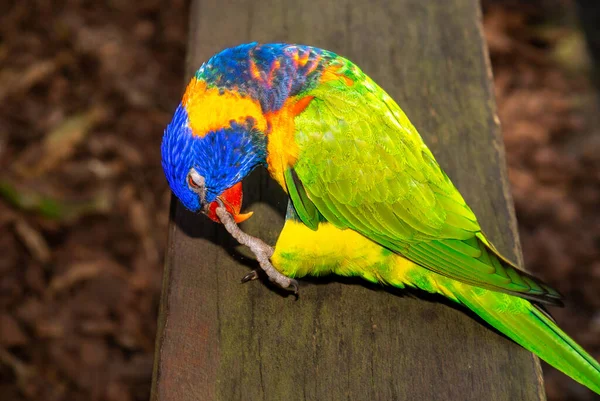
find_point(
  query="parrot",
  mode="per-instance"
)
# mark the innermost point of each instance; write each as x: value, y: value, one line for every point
x: 367, y: 196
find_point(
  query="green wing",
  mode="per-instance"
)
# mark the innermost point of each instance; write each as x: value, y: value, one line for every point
x: 303, y: 206
x: 365, y: 167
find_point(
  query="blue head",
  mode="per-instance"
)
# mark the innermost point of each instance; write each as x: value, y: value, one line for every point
x: 201, y: 168
x: 219, y: 131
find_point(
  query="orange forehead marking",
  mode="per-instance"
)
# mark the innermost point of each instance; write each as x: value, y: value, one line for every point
x: 282, y: 149
x: 208, y: 110
x: 313, y: 65
x: 254, y: 70
x: 276, y: 65
x: 331, y: 74
x: 302, y: 60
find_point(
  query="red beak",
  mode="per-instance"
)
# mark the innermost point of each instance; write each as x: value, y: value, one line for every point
x: 232, y: 199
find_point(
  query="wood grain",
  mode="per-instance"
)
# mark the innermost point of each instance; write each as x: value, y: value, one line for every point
x: 220, y: 340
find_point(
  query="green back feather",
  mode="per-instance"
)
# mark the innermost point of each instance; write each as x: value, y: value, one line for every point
x: 363, y: 166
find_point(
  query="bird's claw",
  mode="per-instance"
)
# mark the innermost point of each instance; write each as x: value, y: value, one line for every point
x: 293, y: 286
x: 288, y: 284
x: 277, y: 277
x: 253, y: 275
x: 282, y: 281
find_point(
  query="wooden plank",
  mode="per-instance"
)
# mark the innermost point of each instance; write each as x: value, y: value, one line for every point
x: 589, y: 16
x: 220, y: 340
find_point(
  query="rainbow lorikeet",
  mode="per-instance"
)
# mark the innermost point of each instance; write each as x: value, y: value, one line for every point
x: 367, y: 196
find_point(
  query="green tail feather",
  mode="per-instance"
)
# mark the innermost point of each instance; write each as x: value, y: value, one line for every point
x: 530, y: 327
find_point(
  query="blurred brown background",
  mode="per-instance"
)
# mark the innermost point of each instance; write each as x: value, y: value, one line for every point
x: 86, y: 89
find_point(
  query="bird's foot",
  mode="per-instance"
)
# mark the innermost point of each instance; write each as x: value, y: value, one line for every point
x: 263, y: 253
x: 261, y: 250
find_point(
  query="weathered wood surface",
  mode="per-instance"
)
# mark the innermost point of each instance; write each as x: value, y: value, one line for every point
x: 220, y: 340
x: 589, y: 16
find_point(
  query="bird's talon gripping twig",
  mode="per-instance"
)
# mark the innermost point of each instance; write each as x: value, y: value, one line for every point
x: 262, y: 251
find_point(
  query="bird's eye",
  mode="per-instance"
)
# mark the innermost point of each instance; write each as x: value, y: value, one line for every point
x: 195, y: 181
x: 192, y: 183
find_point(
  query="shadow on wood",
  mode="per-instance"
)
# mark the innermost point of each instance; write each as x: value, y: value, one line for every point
x: 220, y: 340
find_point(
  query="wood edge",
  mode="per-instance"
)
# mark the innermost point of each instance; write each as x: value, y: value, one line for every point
x: 163, y: 310
x: 502, y: 166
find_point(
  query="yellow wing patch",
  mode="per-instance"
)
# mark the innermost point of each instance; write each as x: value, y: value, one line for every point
x: 301, y: 251
x: 208, y: 110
